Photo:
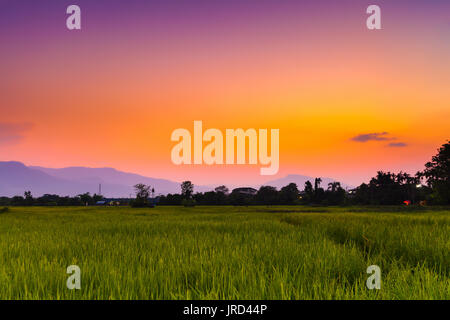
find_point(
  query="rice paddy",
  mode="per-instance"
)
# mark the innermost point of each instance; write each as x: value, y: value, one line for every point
x: 286, y: 252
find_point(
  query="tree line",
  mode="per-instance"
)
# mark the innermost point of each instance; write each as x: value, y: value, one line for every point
x: 51, y: 200
x: 432, y: 185
x: 384, y: 189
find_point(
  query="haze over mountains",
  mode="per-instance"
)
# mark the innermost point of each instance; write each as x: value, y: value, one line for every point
x: 15, y: 178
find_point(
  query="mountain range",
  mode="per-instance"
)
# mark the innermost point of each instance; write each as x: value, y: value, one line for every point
x: 15, y: 178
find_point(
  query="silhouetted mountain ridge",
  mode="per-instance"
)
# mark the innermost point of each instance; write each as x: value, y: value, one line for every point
x: 15, y: 178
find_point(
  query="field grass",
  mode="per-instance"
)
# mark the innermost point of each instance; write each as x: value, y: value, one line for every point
x: 224, y: 252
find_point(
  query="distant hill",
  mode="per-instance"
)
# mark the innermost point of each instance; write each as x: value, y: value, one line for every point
x: 113, y: 181
x: 300, y: 181
x: 15, y: 178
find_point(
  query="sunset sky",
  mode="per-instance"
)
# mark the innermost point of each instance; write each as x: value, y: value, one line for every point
x: 348, y: 101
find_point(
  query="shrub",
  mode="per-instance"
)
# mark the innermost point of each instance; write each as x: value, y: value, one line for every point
x: 141, y: 204
x: 188, y: 202
x: 4, y: 209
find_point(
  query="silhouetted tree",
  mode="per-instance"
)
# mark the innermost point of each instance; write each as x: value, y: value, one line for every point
x: 187, y: 189
x: 28, y: 201
x: 308, y: 192
x: 437, y: 174
x: 362, y: 195
x: 5, y: 201
x: 289, y: 194
x: 97, y: 197
x: 388, y: 188
x: 267, y: 195
x: 317, y: 183
x: 17, y: 201
x: 142, y: 195
x: 171, y: 199
x: 86, y: 198
x: 222, y: 189
x: 237, y: 198
x: 334, y: 186
x: 335, y: 194
x: 319, y: 193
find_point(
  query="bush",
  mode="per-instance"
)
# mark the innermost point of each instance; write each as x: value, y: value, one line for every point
x: 188, y: 202
x: 137, y: 204
x: 141, y: 204
x: 4, y: 209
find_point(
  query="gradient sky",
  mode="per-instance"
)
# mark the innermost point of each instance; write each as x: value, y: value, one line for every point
x: 348, y: 101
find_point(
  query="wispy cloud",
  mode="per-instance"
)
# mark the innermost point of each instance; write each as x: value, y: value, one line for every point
x: 13, y: 133
x: 377, y: 136
x: 397, y: 145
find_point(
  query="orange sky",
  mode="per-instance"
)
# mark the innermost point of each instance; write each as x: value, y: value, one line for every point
x: 99, y: 98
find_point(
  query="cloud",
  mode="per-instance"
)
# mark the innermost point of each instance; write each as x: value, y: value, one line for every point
x: 397, y: 145
x: 13, y: 133
x: 378, y: 136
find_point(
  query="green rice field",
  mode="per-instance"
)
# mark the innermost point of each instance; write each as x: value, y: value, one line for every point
x: 285, y: 252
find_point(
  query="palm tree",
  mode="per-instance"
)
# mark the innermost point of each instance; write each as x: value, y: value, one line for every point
x: 334, y: 186
x: 317, y: 182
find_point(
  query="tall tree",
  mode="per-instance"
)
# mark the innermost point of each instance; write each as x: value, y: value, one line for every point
x: 28, y: 198
x: 437, y: 174
x: 267, y: 195
x: 187, y: 189
x: 334, y: 186
x: 308, y: 188
x: 222, y: 189
x: 85, y: 198
x: 289, y: 194
x: 142, y: 193
x: 317, y: 183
